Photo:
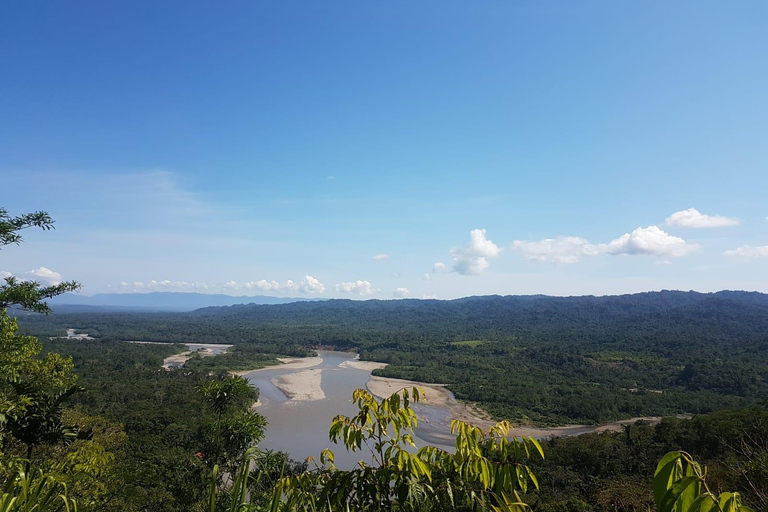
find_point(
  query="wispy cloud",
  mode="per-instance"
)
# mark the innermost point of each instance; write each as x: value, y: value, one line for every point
x: 563, y: 249
x: 749, y: 252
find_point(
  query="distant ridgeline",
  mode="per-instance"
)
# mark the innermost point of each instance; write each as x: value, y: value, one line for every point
x: 548, y: 360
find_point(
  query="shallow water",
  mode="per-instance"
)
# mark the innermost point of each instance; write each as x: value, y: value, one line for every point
x: 301, y: 427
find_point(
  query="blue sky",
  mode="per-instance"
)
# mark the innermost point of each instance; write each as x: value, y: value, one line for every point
x: 278, y: 147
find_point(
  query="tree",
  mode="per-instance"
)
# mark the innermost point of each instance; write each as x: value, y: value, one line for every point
x: 32, y: 391
x: 10, y: 226
x: 28, y: 295
x: 237, y: 428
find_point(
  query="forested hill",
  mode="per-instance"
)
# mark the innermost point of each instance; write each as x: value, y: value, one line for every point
x: 721, y: 315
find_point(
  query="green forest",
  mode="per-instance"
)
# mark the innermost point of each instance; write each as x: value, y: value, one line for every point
x: 540, y: 360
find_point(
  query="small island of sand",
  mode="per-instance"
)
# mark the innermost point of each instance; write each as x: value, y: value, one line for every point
x: 301, y: 386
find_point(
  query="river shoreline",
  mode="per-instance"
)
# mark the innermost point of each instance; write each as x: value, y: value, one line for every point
x: 306, y: 386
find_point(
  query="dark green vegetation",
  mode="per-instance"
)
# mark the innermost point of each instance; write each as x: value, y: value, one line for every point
x: 543, y: 359
x: 160, y: 414
x: 613, y: 471
x: 152, y: 424
x: 242, y: 357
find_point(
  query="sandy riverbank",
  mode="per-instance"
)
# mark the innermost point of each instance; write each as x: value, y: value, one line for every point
x: 362, y: 365
x: 301, y: 386
x: 288, y: 363
x: 437, y: 395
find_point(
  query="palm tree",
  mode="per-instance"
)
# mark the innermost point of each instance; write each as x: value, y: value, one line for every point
x: 40, y: 422
x: 221, y: 396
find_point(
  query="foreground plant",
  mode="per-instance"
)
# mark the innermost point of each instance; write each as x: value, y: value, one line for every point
x: 679, y: 485
x: 38, y: 493
x: 486, y: 471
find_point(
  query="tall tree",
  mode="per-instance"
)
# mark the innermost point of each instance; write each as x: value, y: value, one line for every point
x: 27, y: 295
x: 32, y: 389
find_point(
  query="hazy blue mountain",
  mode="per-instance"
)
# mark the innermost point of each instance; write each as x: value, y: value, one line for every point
x: 159, y: 301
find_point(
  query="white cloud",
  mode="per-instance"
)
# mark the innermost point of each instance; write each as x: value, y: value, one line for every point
x: 401, y: 292
x: 427, y: 277
x: 45, y: 276
x: 563, y: 249
x: 652, y: 241
x: 749, y: 252
x: 264, y: 285
x: 359, y: 287
x: 167, y: 284
x: 232, y: 285
x: 693, y: 218
x: 290, y: 285
x: 472, y: 259
x: 380, y: 257
x: 4, y: 274
x: 438, y: 267
x: 310, y: 285
x: 428, y: 296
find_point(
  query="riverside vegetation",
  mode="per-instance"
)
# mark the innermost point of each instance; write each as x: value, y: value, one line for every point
x: 99, y: 426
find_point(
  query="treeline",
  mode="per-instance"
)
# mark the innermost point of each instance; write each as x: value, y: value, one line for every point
x: 548, y: 360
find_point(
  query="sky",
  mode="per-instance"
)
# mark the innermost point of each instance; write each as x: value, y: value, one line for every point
x: 387, y: 149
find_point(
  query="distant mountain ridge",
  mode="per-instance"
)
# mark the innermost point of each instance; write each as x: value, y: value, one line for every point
x: 162, y: 301
x: 513, y: 313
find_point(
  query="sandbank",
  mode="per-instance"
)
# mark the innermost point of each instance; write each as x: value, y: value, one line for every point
x: 288, y: 363
x: 436, y: 394
x: 301, y: 386
x: 362, y: 365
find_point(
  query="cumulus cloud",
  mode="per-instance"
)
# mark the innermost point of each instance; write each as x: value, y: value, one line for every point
x: 380, y: 257
x: 359, y: 287
x: 310, y: 285
x: 693, y: 218
x: 438, y: 266
x: 427, y: 276
x: 4, y: 274
x: 652, y: 241
x: 472, y: 259
x: 45, y: 276
x: 563, y: 249
x: 401, y: 292
x: 749, y: 252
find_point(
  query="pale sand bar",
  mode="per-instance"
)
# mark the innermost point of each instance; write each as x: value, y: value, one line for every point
x: 363, y: 365
x: 288, y: 363
x: 437, y: 395
x: 301, y: 386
